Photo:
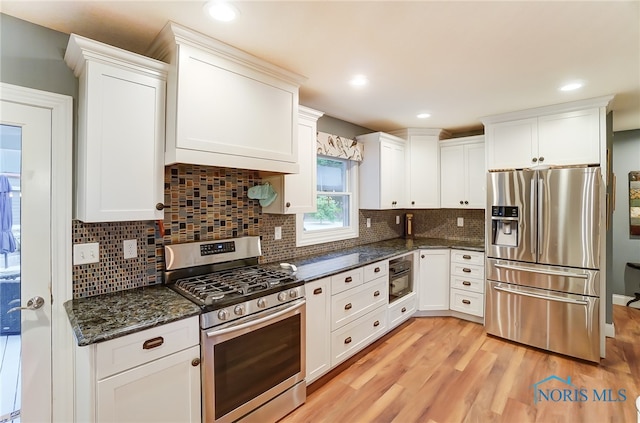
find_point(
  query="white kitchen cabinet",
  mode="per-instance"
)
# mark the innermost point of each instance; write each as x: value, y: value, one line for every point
x: 356, y: 335
x: 433, y: 280
x: 356, y: 302
x: 149, y: 376
x: 119, y: 170
x: 402, y: 309
x: 462, y: 173
x: 318, y: 346
x: 382, y: 172
x: 297, y: 192
x: 422, y: 163
x: 467, y: 282
x: 561, y: 135
x: 225, y: 107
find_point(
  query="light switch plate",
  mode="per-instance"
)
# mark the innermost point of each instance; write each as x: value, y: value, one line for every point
x: 130, y: 248
x: 86, y: 253
x: 277, y: 233
x: 397, y: 220
x: 368, y: 222
x: 461, y: 221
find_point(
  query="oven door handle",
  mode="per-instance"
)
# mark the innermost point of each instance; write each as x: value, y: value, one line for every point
x: 539, y: 296
x: 296, y: 305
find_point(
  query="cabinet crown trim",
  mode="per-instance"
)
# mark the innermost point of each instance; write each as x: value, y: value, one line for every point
x: 548, y: 110
x: 462, y: 140
x: 407, y: 132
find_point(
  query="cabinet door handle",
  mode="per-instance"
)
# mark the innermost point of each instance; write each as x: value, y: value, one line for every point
x: 466, y: 202
x: 466, y: 283
x: 541, y: 159
x: 466, y: 257
x: 288, y: 204
x: 376, y: 323
x: 317, y: 291
x: 422, y: 256
x: 153, y: 343
x: 348, y: 340
x: 160, y: 206
x: 376, y: 270
x: 535, y: 159
x: 195, y: 362
x: 376, y: 294
x: 348, y: 306
x: 349, y: 279
x: 403, y: 309
x: 466, y: 270
x: 466, y: 302
x: 461, y: 202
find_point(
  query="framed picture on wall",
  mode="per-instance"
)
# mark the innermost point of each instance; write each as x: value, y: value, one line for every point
x: 634, y: 203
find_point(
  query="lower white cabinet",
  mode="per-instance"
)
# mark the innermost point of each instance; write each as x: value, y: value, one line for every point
x: 467, y: 282
x: 433, y: 282
x: 356, y: 335
x: 318, y: 347
x: 349, y: 305
x: 148, y: 376
x: 401, y: 309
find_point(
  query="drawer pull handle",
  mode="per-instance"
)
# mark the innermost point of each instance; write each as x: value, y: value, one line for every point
x: 349, y: 279
x: 466, y: 302
x: 195, y: 362
x: 376, y: 294
x: 466, y: 257
x: 348, y: 340
x: 466, y: 270
x: 348, y: 306
x: 376, y: 323
x: 376, y: 270
x: 403, y: 309
x: 153, y: 343
x: 317, y: 291
x: 466, y: 283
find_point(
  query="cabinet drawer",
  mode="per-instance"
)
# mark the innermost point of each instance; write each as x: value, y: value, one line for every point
x: 351, y: 338
x: 349, y: 305
x: 132, y: 350
x: 467, y: 257
x: 401, y: 309
x: 467, y: 302
x: 376, y: 270
x: 467, y: 270
x: 346, y: 280
x: 467, y: 284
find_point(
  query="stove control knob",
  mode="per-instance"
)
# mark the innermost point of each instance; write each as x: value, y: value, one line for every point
x: 282, y: 296
x: 223, y: 315
x: 238, y: 310
x: 293, y: 293
x: 262, y: 303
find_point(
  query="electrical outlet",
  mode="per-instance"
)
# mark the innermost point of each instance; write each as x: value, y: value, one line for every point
x: 368, y: 222
x: 86, y: 253
x: 461, y: 221
x: 277, y: 234
x: 397, y: 220
x: 130, y: 248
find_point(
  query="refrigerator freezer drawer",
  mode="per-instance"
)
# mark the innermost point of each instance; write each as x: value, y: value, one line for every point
x: 554, y: 278
x: 563, y: 323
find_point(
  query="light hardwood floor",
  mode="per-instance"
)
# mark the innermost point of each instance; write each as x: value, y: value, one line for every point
x: 448, y: 370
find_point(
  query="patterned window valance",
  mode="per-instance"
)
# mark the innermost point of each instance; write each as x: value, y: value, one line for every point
x: 335, y: 146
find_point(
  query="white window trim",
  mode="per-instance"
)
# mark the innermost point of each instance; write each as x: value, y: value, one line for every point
x: 304, y: 238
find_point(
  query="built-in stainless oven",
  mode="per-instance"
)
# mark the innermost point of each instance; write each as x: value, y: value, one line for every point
x: 400, y: 278
x: 254, y: 368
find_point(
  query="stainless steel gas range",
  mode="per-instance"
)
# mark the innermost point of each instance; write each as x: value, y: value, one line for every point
x: 252, y: 328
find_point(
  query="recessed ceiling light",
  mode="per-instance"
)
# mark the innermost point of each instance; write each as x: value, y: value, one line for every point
x: 571, y: 86
x: 359, y: 81
x: 221, y: 10
x: 423, y: 115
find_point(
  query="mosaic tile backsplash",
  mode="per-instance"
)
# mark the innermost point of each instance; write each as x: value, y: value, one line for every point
x: 208, y: 203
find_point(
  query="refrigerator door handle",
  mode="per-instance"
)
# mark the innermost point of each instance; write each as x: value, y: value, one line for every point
x: 543, y: 271
x: 532, y: 217
x: 540, y: 217
x: 541, y: 297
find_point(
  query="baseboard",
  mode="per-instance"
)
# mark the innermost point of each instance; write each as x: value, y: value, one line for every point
x: 609, y: 330
x: 623, y: 300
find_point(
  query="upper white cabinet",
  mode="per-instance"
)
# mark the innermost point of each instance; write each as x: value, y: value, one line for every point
x: 566, y: 134
x: 462, y: 173
x: 422, y: 164
x: 382, y: 172
x: 297, y: 192
x: 119, y: 168
x: 225, y: 107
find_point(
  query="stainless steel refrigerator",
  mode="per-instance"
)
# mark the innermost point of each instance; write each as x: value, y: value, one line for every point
x: 543, y: 258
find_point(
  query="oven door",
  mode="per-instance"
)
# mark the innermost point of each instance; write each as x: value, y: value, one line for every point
x: 250, y: 361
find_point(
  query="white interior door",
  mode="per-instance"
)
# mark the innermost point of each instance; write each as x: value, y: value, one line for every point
x: 45, y: 216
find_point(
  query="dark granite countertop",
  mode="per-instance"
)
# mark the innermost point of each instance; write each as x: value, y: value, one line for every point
x: 108, y: 316
x: 322, y: 265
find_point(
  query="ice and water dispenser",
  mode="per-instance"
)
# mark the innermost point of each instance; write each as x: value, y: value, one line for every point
x: 504, y: 225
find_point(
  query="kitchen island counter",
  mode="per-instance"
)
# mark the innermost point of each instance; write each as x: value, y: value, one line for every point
x: 108, y: 316
x: 322, y: 265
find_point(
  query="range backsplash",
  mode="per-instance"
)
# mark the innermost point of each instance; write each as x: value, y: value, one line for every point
x: 208, y: 203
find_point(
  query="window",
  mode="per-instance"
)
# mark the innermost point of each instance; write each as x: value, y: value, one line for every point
x: 336, y: 217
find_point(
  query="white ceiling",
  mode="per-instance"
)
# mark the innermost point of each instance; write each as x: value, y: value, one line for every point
x: 457, y: 60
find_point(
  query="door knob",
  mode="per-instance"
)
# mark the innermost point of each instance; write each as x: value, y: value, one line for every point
x: 33, y: 304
